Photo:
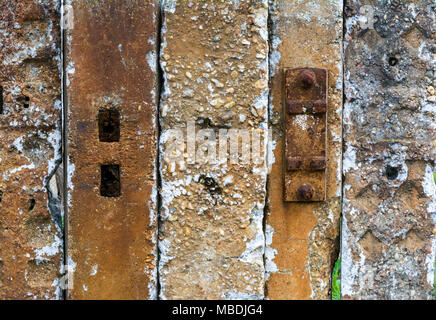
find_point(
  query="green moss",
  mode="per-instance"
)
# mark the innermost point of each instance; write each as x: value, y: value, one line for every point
x: 336, y: 280
x: 434, y: 281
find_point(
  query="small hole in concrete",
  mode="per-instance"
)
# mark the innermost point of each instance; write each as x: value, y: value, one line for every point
x: 204, y: 122
x: 32, y: 203
x: 110, y: 181
x: 109, y: 125
x: 210, y: 184
x: 391, y: 172
x: 393, y: 61
x: 26, y: 102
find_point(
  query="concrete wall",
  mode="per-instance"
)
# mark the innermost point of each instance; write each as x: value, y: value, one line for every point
x: 215, y: 66
x: 157, y: 129
x: 303, y: 237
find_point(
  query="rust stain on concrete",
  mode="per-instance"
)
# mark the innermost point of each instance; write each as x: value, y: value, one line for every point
x: 302, y: 238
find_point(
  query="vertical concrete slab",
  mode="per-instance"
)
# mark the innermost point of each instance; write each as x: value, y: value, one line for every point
x: 302, y: 238
x: 30, y: 150
x: 389, y: 206
x: 111, y: 89
x: 214, y: 57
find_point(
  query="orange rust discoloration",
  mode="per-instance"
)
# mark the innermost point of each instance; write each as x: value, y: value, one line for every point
x: 111, y: 239
x: 302, y: 237
x: 30, y: 240
x: 282, y: 285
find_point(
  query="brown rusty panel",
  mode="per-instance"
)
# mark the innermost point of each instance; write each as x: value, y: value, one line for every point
x: 283, y: 286
x: 301, y: 237
x: 111, y: 100
x: 30, y: 234
x: 305, y: 109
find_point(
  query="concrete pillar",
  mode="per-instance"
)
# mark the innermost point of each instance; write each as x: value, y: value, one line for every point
x: 302, y: 238
x: 30, y: 150
x: 111, y: 87
x: 389, y: 205
x: 214, y: 57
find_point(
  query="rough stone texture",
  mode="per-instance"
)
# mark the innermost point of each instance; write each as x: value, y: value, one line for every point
x: 389, y: 202
x: 215, y: 62
x: 30, y: 108
x: 302, y: 238
x: 111, y: 64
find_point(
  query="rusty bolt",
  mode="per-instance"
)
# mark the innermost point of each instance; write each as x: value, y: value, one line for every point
x: 307, y: 78
x: 305, y: 192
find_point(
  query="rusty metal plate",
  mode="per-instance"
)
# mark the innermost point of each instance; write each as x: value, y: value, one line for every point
x: 305, y: 110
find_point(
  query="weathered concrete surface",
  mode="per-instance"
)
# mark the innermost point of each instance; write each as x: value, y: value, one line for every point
x: 389, y: 205
x: 302, y: 238
x: 30, y: 107
x: 215, y: 62
x: 111, y: 65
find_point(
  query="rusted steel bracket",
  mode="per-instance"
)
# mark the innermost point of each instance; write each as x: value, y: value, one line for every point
x: 305, y: 131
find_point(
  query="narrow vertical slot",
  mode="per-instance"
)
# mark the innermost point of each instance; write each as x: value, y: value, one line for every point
x: 110, y: 181
x: 109, y: 125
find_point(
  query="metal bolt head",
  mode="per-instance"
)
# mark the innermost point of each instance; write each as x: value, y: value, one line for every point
x: 307, y: 78
x: 305, y: 192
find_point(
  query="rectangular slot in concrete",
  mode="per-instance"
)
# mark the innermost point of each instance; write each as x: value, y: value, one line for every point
x: 110, y: 181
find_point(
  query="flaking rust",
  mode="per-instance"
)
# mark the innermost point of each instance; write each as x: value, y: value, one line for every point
x: 30, y: 234
x: 305, y: 117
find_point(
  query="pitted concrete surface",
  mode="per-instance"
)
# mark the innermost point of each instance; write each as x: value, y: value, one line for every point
x: 214, y: 57
x: 30, y: 150
x: 389, y: 205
